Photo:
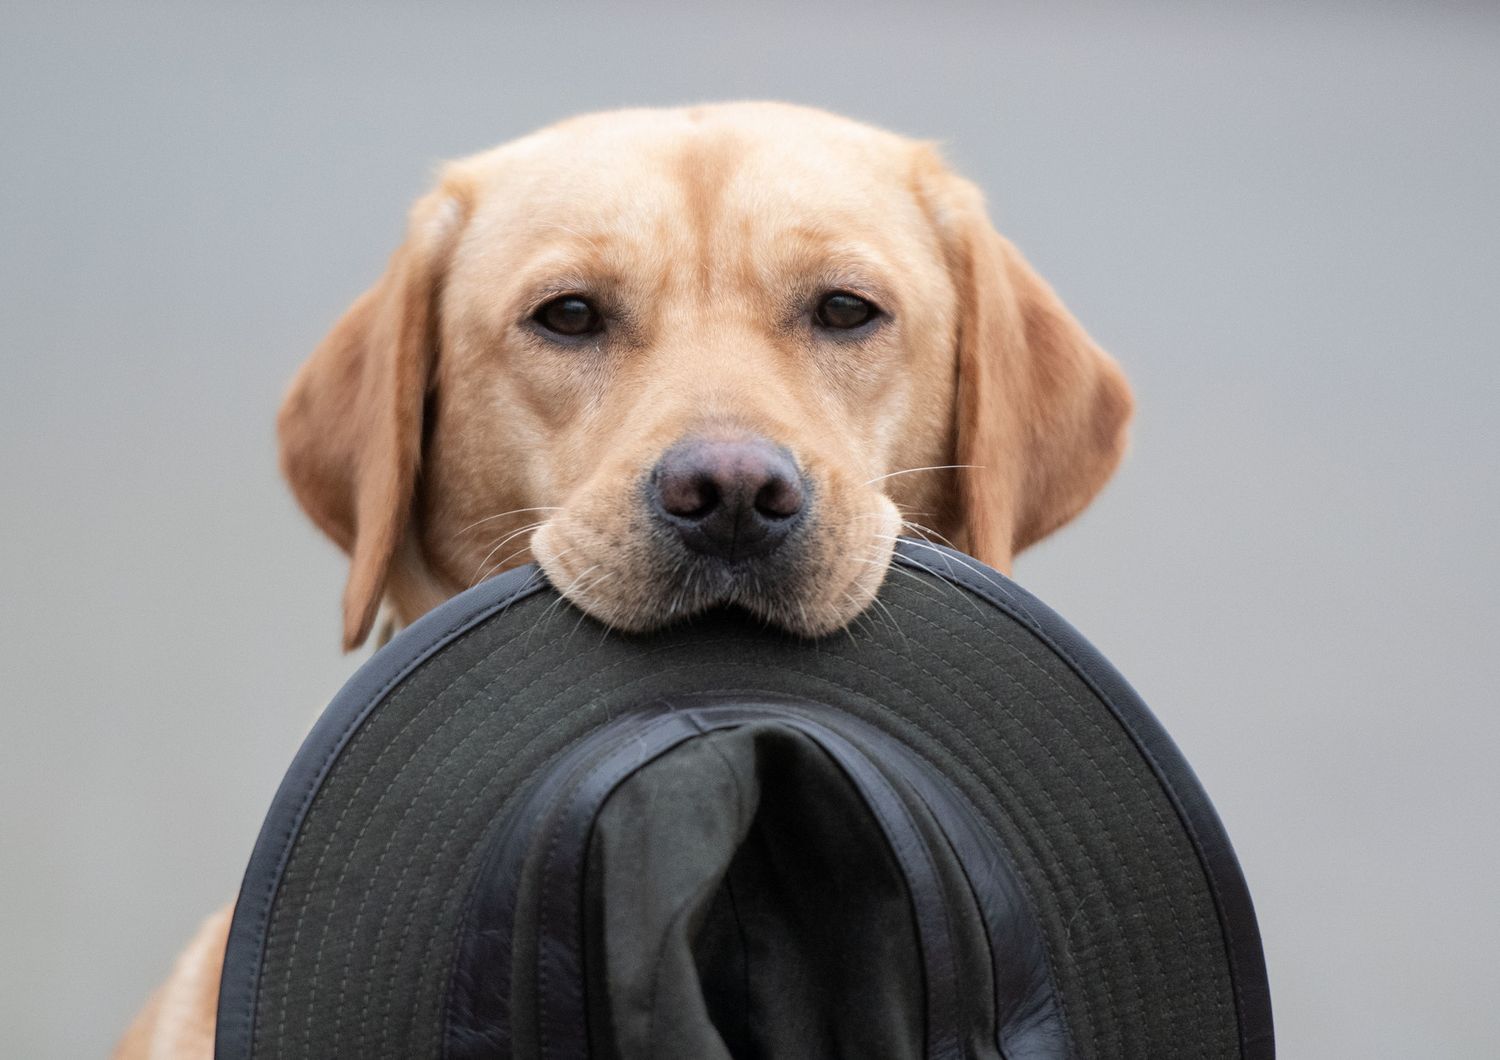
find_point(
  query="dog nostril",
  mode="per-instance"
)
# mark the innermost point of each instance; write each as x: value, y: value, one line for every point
x: 779, y: 498
x: 688, y: 496
x: 731, y: 498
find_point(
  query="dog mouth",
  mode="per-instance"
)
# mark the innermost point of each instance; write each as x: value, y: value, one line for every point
x: 645, y: 577
x: 772, y: 584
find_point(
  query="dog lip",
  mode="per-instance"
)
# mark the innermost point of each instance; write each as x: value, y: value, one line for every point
x: 704, y: 580
x: 769, y: 567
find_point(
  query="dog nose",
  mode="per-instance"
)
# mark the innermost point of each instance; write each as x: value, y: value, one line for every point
x: 731, y: 499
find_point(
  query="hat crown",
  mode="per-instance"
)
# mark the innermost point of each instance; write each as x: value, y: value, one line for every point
x: 760, y: 877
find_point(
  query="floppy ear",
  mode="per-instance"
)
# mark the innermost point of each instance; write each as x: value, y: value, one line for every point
x: 351, y: 424
x: 1042, y: 411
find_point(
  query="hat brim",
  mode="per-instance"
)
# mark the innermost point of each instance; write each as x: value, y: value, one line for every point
x: 347, y: 923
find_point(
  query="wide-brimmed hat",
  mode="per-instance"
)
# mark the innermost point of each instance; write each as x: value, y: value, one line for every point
x: 951, y: 830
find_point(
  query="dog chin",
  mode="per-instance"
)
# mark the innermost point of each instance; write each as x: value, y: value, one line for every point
x: 798, y: 594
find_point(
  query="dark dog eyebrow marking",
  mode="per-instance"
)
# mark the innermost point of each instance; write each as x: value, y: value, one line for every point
x: 703, y: 169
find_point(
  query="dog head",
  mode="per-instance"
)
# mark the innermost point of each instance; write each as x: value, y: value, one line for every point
x: 682, y: 358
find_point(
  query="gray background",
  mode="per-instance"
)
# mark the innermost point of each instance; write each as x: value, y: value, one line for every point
x: 1284, y: 223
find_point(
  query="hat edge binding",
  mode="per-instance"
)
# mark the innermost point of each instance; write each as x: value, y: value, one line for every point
x: 1216, y: 856
x: 239, y: 981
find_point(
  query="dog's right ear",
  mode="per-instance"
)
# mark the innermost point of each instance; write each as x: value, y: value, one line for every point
x: 351, y: 424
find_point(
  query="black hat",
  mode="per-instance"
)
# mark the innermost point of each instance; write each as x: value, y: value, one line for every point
x: 952, y: 830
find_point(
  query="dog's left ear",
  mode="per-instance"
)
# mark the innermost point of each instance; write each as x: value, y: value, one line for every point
x: 1042, y: 411
x: 351, y: 424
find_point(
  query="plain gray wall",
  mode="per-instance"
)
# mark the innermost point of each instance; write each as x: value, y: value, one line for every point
x: 1284, y: 223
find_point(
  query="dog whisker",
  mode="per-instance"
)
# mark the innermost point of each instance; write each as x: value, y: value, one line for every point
x: 852, y: 638
x: 540, y: 573
x: 938, y: 582
x: 914, y: 470
x: 971, y: 568
x: 562, y: 598
x: 504, y: 563
x: 559, y: 226
x: 502, y: 515
x: 875, y: 601
x: 951, y: 558
x: 802, y: 610
x: 927, y: 533
x: 516, y: 532
x: 581, y: 594
x: 897, y: 568
x: 498, y: 546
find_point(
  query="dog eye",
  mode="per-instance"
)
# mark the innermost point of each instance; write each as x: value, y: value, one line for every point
x: 569, y: 315
x: 842, y: 310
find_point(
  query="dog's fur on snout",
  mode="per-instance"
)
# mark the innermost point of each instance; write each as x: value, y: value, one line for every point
x: 438, y: 435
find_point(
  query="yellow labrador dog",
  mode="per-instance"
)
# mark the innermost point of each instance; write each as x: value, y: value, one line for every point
x: 683, y: 358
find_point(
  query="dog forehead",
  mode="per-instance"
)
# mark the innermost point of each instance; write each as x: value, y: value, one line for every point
x: 777, y: 132
x: 645, y: 176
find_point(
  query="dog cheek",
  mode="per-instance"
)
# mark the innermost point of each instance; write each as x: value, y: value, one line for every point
x: 848, y: 565
x: 546, y: 547
x: 605, y: 569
